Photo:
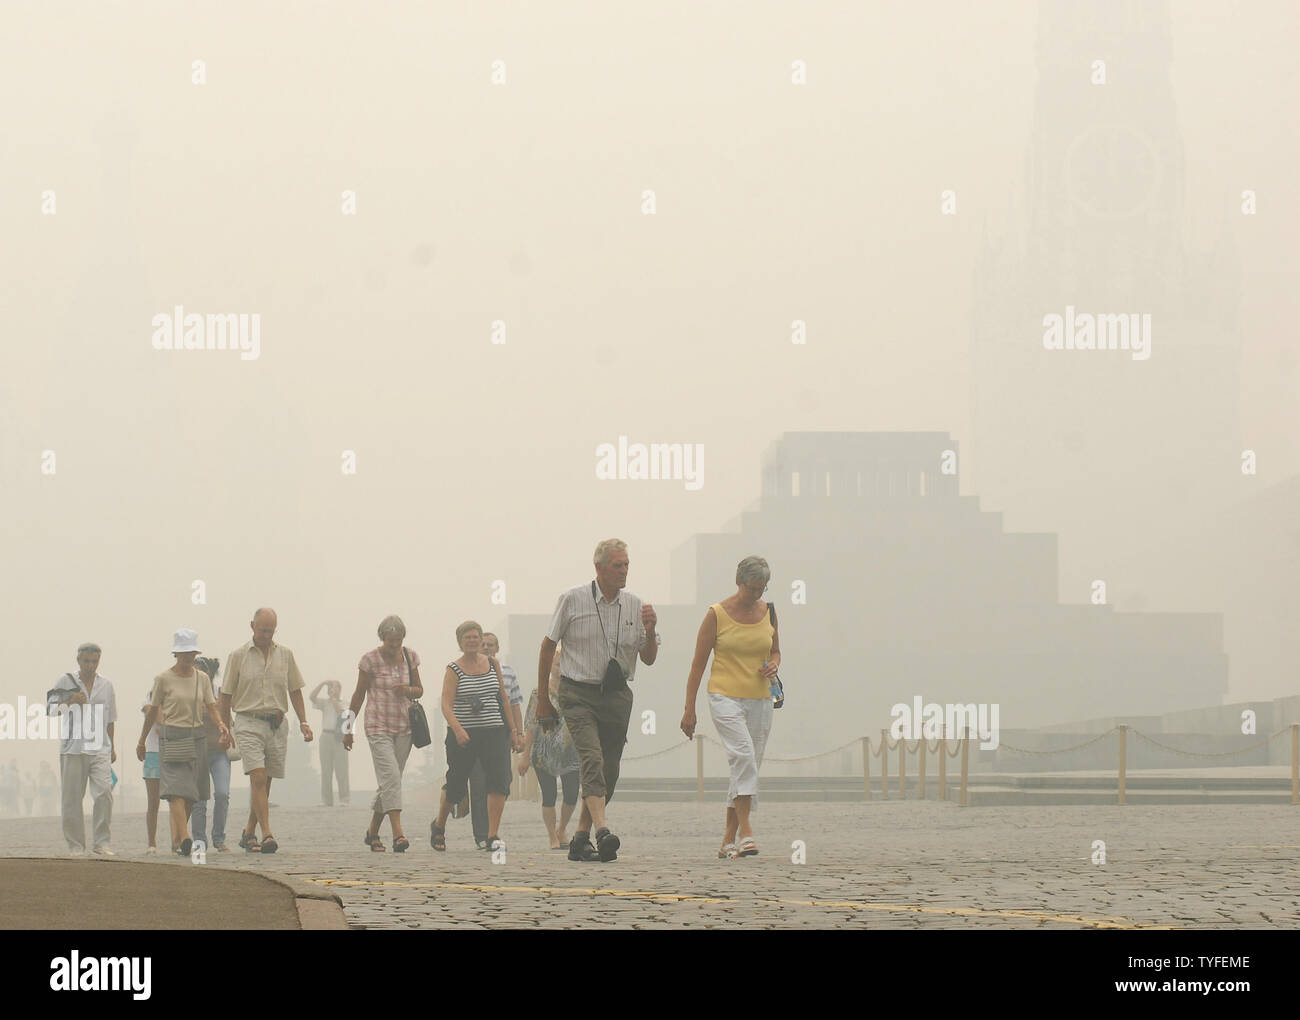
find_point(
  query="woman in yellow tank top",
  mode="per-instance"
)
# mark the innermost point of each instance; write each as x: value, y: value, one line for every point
x: 740, y: 632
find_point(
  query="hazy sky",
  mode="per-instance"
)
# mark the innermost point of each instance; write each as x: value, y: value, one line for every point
x: 519, y: 202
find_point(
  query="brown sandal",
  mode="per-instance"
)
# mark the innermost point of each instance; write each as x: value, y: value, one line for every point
x: 375, y: 843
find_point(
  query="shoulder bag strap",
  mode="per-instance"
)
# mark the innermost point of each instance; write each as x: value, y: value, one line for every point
x: 501, y: 683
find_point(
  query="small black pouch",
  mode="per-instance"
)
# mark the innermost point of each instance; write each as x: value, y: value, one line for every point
x: 614, y: 679
x: 275, y: 720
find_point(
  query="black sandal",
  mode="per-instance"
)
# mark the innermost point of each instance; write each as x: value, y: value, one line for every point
x: 269, y: 845
x: 438, y: 837
x: 400, y: 845
x: 375, y: 843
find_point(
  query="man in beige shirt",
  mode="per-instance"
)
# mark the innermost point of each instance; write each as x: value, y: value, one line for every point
x: 261, y: 680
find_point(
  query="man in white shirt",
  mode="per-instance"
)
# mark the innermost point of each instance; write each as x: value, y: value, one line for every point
x: 601, y: 630
x: 87, y: 709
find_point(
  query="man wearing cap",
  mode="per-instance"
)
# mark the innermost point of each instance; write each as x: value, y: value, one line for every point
x: 88, y: 707
x: 261, y: 679
x: 602, y: 629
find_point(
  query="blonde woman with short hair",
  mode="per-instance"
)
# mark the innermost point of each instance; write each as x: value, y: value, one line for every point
x: 479, y: 729
x: 740, y: 633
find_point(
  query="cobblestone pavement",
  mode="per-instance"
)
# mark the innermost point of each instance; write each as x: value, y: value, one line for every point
x: 872, y: 865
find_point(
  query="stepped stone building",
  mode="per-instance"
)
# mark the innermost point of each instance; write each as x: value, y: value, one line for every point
x: 889, y: 585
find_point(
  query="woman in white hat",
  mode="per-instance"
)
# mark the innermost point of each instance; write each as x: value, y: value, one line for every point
x: 181, y: 697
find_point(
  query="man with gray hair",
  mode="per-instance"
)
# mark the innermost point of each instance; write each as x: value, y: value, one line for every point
x: 602, y: 630
x: 261, y: 679
x: 88, y: 709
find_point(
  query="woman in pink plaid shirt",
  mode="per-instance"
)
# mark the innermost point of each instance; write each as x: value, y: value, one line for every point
x: 390, y: 676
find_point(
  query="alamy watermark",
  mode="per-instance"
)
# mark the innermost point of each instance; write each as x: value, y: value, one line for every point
x: 922, y: 721
x: 1086, y: 332
x: 34, y: 722
x: 77, y: 973
x: 179, y: 331
x: 680, y: 462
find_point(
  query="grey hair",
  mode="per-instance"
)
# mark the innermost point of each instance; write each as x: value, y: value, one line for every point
x: 605, y: 548
x: 392, y: 625
x: 89, y: 647
x: 753, y: 568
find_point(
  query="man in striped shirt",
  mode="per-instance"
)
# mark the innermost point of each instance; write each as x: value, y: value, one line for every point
x: 602, y: 630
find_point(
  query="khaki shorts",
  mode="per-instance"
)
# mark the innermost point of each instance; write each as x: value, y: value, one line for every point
x: 598, y: 722
x: 259, y: 747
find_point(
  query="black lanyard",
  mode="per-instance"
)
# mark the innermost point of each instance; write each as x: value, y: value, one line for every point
x: 601, y: 621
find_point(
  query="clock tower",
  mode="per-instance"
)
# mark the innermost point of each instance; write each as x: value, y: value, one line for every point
x: 1110, y: 450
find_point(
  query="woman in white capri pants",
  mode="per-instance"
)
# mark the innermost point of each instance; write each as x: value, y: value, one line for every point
x: 740, y: 632
x: 389, y: 677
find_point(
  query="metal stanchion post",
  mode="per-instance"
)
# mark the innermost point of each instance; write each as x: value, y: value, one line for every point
x: 920, y: 765
x: 943, y: 768
x: 902, y: 768
x: 699, y: 767
x: 866, y: 767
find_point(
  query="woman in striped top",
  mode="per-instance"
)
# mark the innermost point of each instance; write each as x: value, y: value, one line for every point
x: 478, y: 730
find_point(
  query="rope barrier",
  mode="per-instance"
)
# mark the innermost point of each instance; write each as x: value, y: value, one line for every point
x: 1060, y: 750
x: 922, y: 746
x: 656, y: 754
x: 1212, y: 754
x: 810, y: 757
x: 932, y: 746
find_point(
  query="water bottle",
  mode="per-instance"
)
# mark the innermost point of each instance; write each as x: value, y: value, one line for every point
x: 774, y: 686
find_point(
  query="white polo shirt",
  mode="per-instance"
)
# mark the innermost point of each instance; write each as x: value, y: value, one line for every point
x: 592, y: 629
x: 75, y: 733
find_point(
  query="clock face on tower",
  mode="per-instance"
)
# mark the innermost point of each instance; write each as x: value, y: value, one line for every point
x: 1111, y: 171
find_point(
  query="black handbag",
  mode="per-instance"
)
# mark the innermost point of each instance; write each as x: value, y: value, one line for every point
x: 420, y: 736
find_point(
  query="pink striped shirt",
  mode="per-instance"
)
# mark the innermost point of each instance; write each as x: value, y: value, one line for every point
x: 386, y: 710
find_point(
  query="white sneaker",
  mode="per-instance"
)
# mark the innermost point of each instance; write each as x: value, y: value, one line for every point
x: 105, y: 851
x: 76, y: 853
x: 152, y: 851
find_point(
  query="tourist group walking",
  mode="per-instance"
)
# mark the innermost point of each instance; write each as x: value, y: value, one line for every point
x: 572, y: 734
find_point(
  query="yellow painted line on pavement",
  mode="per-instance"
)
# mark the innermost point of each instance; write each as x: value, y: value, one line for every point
x: 627, y: 893
x: 907, y: 908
